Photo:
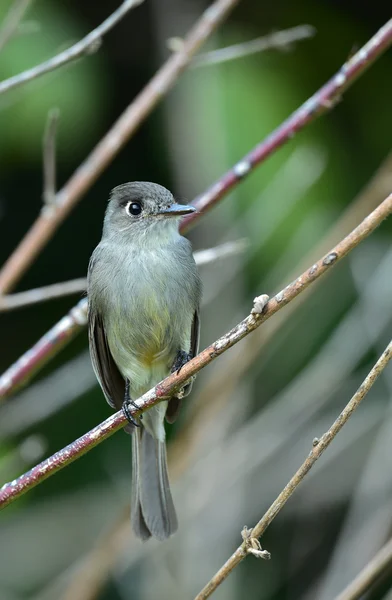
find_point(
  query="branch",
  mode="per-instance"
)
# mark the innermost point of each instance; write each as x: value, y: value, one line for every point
x: 49, y: 157
x: 104, y: 152
x: 367, y: 577
x: 49, y: 345
x: 88, y: 45
x: 319, y: 445
x: 13, y: 490
x: 12, y: 20
x: 277, y: 40
x: 78, y: 286
x: 323, y: 100
x: 226, y: 378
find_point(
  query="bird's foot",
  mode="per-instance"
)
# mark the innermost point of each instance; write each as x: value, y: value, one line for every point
x: 125, y: 406
x: 127, y: 412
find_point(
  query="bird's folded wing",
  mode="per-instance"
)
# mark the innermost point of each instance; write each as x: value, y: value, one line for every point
x: 106, y: 370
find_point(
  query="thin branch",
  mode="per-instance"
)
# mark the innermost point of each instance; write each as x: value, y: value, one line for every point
x: 49, y: 157
x: 13, y: 490
x: 225, y: 379
x: 105, y: 151
x: 278, y: 40
x: 319, y: 445
x: 78, y: 286
x: 322, y: 101
x: 51, y: 343
x: 381, y: 563
x: 12, y: 21
x: 88, y: 45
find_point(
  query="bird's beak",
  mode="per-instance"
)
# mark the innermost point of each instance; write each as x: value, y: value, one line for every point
x: 176, y: 210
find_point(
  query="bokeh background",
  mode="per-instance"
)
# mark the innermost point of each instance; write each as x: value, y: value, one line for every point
x: 254, y: 412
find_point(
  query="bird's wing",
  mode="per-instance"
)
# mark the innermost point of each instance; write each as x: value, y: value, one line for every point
x: 175, y: 403
x: 109, y: 377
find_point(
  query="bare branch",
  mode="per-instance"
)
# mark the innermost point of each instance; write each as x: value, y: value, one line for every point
x: 105, y: 151
x: 55, y: 339
x: 88, y: 45
x: 319, y: 445
x: 78, y: 286
x: 49, y: 157
x: 12, y: 20
x: 278, y: 40
x: 236, y: 365
x: 43, y: 294
x: 14, y: 489
x: 322, y: 101
x: 369, y: 575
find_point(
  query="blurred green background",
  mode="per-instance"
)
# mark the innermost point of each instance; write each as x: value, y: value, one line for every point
x: 254, y: 412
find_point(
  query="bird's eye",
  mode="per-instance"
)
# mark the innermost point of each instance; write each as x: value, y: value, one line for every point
x: 133, y: 209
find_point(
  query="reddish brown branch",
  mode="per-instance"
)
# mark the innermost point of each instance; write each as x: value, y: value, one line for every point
x: 105, y: 151
x: 13, y: 490
x: 47, y: 347
x: 323, y: 100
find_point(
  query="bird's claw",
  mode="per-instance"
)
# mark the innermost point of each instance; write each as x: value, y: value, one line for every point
x: 127, y: 413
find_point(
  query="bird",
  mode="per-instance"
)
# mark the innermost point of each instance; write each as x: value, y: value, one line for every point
x: 144, y: 294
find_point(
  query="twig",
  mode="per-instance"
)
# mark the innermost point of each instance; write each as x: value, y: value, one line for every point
x: 88, y: 45
x: 49, y: 157
x: 322, y: 101
x: 42, y: 294
x: 277, y: 40
x: 78, y: 286
x: 125, y: 126
x: 225, y: 379
x: 12, y: 20
x: 319, y: 445
x: 13, y: 490
x: 57, y: 337
x: 367, y: 577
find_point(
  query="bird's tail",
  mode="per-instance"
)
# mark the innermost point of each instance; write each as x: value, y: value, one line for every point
x: 152, y: 508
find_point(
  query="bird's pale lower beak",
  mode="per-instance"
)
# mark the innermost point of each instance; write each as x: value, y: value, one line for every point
x: 176, y: 210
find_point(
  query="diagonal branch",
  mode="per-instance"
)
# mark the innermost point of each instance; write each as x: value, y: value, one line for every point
x: 277, y: 40
x: 319, y: 445
x: 104, y: 152
x: 88, y: 45
x: 13, y: 490
x: 378, y: 566
x: 323, y: 100
x: 12, y: 21
x: 49, y: 157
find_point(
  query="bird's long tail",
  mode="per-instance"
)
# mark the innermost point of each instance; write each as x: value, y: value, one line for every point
x: 152, y: 508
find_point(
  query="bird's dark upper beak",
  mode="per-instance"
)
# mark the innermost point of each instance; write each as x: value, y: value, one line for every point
x: 176, y: 210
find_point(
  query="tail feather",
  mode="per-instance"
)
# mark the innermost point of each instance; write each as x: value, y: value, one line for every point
x: 138, y: 523
x: 152, y: 512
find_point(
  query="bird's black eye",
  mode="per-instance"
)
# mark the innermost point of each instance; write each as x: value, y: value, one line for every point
x: 133, y: 209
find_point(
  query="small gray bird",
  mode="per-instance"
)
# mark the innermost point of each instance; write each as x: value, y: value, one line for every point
x: 144, y: 296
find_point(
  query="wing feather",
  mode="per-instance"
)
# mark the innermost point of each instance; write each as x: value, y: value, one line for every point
x: 174, y: 405
x: 106, y: 370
